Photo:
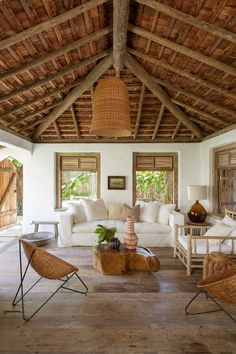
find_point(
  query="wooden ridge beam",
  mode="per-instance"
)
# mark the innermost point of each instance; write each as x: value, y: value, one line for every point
x: 92, y: 77
x: 15, y: 109
x: 120, y: 26
x: 52, y: 55
x: 158, y: 121
x: 72, y: 108
x: 183, y: 50
x: 190, y: 20
x: 195, y: 97
x: 140, y: 107
x: 118, y: 141
x: 55, y: 76
x: 198, y: 111
x: 46, y: 25
x: 188, y: 75
x: 158, y: 91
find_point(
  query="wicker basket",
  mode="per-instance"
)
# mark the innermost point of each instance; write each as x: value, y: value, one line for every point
x: 221, y: 285
x: 215, y: 262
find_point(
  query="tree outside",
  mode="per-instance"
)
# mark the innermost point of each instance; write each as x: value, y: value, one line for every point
x: 79, y: 185
x: 154, y: 185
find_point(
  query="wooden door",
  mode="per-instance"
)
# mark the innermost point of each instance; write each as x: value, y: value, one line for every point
x: 227, y: 189
x: 8, y: 212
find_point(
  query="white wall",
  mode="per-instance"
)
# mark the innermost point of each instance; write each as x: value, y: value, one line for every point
x: 116, y: 159
x: 206, y: 151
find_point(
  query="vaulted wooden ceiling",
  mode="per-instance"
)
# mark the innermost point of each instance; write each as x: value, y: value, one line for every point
x: 177, y: 58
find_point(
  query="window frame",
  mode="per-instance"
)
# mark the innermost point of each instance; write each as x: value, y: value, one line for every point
x: 59, y: 172
x: 174, y: 156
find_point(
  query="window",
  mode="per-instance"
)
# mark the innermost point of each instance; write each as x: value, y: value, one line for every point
x: 155, y: 177
x: 224, y: 183
x: 78, y: 176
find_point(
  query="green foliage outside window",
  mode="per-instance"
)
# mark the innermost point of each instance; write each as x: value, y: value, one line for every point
x: 78, y: 184
x: 154, y: 185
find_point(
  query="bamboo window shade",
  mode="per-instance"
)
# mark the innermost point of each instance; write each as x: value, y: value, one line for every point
x: 111, y: 110
x: 154, y: 163
x: 78, y: 163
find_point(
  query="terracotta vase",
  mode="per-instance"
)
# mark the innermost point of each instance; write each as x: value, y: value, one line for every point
x: 130, y: 238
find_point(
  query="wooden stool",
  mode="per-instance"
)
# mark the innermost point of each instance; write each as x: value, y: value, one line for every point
x: 215, y: 262
x: 37, y: 223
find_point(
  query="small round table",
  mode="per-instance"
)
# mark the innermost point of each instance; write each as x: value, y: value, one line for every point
x: 38, y: 238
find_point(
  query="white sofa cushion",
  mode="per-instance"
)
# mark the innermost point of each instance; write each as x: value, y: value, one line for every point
x: 114, y: 211
x: 201, y: 246
x: 77, y: 211
x: 90, y: 227
x: 219, y: 229
x: 229, y: 221
x: 148, y: 211
x: 163, y: 213
x: 151, y: 228
x: 94, y: 209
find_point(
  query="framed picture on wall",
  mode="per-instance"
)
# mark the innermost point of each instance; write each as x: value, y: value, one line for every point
x: 116, y: 182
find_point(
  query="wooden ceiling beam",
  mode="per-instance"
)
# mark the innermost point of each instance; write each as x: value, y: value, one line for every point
x: 188, y: 75
x: 139, y: 113
x: 120, y: 26
x: 183, y: 50
x: 92, y: 77
x: 195, y: 97
x: 190, y: 20
x: 158, y: 91
x: 118, y: 141
x: 72, y: 108
x: 68, y: 69
x: 158, y: 122
x: 203, y: 124
x: 39, y: 98
x: 176, y: 130
x: 57, y: 130
x: 46, y: 25
x: 198, y: 111
x: 52, y: 55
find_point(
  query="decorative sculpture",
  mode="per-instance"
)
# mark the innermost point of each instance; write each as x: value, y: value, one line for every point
x: 130, y: 238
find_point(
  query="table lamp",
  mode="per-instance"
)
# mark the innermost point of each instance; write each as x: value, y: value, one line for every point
x: 197, y: 213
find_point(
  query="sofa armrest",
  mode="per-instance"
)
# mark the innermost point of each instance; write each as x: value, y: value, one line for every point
x: 176, y: 218
x: 66, y: 223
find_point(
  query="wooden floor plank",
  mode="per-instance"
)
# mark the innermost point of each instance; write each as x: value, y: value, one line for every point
x: 135, y: 313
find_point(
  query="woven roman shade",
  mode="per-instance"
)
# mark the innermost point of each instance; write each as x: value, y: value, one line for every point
x: 111, y: 111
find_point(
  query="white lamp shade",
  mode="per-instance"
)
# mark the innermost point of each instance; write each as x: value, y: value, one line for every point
x: 197, y: 192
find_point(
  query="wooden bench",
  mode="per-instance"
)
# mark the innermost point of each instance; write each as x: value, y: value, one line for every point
x: 37, y: 223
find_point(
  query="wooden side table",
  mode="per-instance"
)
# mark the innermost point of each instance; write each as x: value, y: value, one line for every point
x: 37, y: 223
x: 199, y: 231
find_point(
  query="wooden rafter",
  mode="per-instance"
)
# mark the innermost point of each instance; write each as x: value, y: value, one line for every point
x: 120, y: 25
x: 72, y: 109
x: 195, y: 97
x: 183, y: 50
x: 52, y: 55
x: 203, y: 124
x: 184, y: 73
x: 57, y: 75
x: 190, y: 20
x: 158, y: 91
x: 158, y: 122
x: 74, y: 95
x: 176, y: 130
x: 46, y: 25
x: 140, y: 107
x: 200, y: 112
x: 57, y: 130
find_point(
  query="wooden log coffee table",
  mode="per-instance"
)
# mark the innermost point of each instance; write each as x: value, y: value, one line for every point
x: 114, y: 262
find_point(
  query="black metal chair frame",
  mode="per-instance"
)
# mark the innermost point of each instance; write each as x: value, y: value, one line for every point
x: 208, y: 296
x: 21, y: 287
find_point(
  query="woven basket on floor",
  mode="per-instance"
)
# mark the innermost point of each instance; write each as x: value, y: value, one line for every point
x: 221, y: 285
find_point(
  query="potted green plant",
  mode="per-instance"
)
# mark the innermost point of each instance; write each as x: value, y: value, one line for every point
x: 106, y: 234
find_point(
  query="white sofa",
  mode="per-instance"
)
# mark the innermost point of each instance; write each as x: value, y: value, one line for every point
x: 76, y: 232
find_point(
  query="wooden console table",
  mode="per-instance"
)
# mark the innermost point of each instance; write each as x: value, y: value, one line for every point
x: 118, y: 262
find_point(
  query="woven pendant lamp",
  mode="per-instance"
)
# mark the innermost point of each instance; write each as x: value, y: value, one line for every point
x: 111, y: 111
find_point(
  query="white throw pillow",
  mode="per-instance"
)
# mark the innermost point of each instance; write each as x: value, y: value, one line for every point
x: 77, y: 211
x: 148, y: 211
x: 229, y: 221
x: 115, y: 211
x: 164, y: 213
x: 219, y: 229
x: 95, y: 209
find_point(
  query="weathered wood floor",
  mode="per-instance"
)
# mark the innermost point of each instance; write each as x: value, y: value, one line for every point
x: 135, y: 313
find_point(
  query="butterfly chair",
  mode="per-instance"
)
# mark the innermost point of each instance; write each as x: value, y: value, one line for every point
x: 47, y: 266
x: 220, y: 286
